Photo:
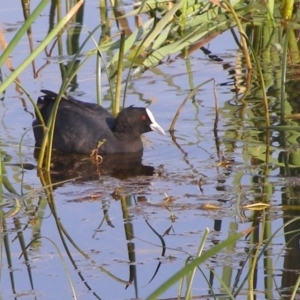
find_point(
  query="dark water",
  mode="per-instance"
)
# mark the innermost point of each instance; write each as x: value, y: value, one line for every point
x: 111, y: 212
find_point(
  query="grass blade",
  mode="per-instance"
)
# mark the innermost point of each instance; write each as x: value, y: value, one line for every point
x: 197, y: 261
x: 52, y: 34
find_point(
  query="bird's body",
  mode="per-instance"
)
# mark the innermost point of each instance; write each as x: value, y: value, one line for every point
x: 81, y: 126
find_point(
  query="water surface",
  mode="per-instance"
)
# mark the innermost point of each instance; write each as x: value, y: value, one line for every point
x: 113, y: 218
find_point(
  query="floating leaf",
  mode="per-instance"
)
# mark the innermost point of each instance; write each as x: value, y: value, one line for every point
x: 210, y: 206
x: 256, y: 206
x: 169, y: 198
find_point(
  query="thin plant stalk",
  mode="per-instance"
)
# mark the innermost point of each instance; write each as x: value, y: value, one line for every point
x: 52, y: 119
x: 262, y: 85
x: 254, y: 260
x: 198, y: 254
x: 98, y: 80
x: 61, y: 257
x: 71, y: 72
x: 22, y: 242
x: 191, y: 94
x: 35, y: 14
x: 26, y: 14
x: 283, y: 75
x: 100, y: 57
x: 52, y: 34
x: 133, y: 61
x: 240, y: 28
x: 197, y: 261
x: 116, y: 102
x: 264, y: 246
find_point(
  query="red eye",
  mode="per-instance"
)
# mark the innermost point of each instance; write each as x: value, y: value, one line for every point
x: 143, y: 118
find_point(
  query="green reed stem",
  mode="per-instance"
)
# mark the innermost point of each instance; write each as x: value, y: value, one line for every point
x: 7, y: 52
x: 242, y: 33
x: 283, y: 74
x: 116, y: 102
x: 196, y: 262
x: 72, y: 70
x: 191, y: 276
x: 52, y: 34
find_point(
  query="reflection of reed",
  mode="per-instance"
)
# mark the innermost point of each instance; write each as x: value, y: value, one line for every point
x: 291, y: 264
x: 62, y: 232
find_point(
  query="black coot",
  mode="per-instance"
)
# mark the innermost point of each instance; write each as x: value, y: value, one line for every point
x: 80, y: 126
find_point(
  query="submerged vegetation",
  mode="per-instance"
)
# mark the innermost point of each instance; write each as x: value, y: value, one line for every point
x: 266, y: 34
